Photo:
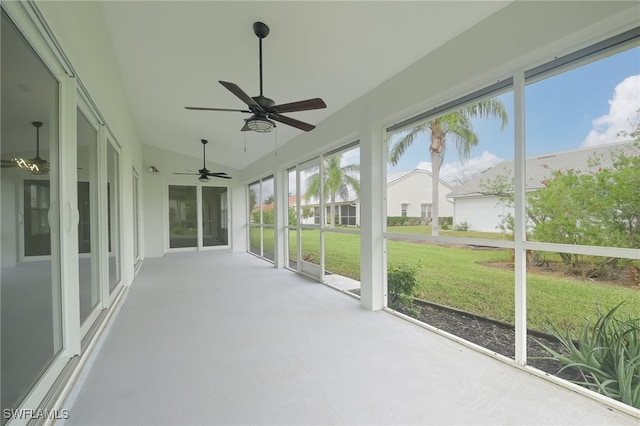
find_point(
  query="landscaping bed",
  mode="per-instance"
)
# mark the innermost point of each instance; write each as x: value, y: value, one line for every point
x: 494, y: 335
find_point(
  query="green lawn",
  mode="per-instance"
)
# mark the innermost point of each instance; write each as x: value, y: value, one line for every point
x: 426, y: 230
x: 460, y: 278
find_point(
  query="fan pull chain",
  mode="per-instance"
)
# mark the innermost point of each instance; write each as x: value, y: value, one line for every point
x: 275, y: 135
x: 245, y: 141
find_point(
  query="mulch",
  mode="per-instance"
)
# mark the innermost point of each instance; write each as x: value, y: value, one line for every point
x: 493, y: 335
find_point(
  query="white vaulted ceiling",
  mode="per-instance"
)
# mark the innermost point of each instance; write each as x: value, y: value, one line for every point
x: 172, y: 54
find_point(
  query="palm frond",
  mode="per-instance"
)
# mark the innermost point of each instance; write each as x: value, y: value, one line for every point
x: 399, y: 147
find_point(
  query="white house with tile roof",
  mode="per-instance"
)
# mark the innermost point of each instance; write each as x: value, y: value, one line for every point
x: 473, y: 202
x: 408, y: 194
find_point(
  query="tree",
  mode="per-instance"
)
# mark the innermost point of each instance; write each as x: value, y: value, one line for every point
x: 455, y: 125
x: 600, y: 206
x: 336, y: 180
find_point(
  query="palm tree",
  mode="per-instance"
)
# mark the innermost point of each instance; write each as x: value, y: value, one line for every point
x: 456, y: 125
x: 336, y: 180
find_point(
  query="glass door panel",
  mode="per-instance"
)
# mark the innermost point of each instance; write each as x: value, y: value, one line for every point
x: 113, y: 203
x: 183, y: 216
x: 87, y: 224
x: 30, y: 290
x: 214, y: 216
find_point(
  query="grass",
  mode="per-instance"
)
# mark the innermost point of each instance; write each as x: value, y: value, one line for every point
x: 426, y: 230
x: 461, y: 278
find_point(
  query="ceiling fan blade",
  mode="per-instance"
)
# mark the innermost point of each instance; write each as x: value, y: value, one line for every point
x: 216, y: 109
x: 219, y: 175
x: 306, y: 105
x: 190, y: 174
x: 233, y: 88
x: 293, y: 122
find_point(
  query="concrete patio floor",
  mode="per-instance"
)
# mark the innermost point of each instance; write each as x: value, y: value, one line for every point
x: 224, y: 338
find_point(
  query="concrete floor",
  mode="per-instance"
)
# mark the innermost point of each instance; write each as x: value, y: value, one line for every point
x: 224, y: 338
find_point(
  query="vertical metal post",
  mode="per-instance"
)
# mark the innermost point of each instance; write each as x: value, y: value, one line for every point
x: 520, y: 231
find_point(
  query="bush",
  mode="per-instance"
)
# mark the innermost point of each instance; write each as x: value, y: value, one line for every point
x: 402, y: 283
x: 446, y: 220
x: 462, y: 226
x: 607, y: 355
x: 403, y: 220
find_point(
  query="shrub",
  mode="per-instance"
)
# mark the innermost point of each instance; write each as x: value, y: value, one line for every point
x: 462, y: 226
x: 607, y: 355
x: 446, y: 220
x: 402, y: 283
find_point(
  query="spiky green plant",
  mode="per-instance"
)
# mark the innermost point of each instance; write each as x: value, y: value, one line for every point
x: 607, y: 355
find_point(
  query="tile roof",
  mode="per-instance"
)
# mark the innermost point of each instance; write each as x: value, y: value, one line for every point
x: 541, y: 167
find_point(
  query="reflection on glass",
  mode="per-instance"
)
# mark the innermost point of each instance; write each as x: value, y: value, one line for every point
x: 214, y: 216
x: 37, y: 235
x: 113, y: 197
x: 87, y: 269
x: 30, y: 291
x: 183, y: 216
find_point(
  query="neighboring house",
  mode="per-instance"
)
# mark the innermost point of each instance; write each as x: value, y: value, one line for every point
x: 475, y: 204
x: 408, y: 194
x: 347, y: 210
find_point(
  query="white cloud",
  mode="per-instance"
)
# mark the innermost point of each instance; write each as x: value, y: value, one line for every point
x: 453, y: 173
x: 623, y: 111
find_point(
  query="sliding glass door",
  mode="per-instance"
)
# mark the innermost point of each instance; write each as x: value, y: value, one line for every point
x: 198, y: 217
x: 215, y: 228
x: 31, y: 303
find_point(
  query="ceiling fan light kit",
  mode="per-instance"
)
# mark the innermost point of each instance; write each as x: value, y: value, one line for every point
x: 264, y: 110
x: 260, y: 124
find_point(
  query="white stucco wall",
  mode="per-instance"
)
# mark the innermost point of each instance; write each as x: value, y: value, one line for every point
x: 482, y: 213
x: 414, y: 189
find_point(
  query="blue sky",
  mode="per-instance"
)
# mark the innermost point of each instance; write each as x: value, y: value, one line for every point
x: 582, y: 107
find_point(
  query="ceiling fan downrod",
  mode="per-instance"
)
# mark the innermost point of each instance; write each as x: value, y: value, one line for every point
x: 261, y: 30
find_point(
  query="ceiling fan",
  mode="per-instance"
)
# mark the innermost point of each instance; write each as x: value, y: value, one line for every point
x: 36, y: 165
x: 262, y: 109
x: 204, y: 173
